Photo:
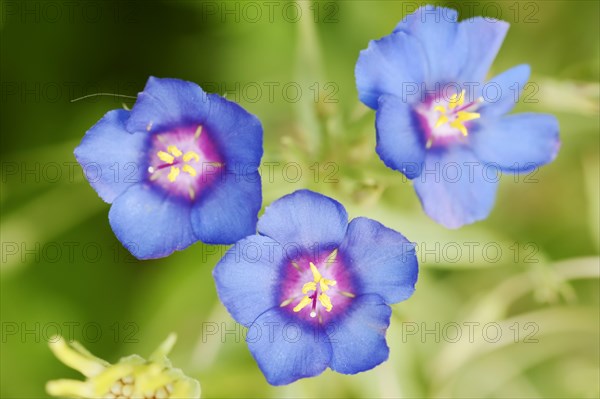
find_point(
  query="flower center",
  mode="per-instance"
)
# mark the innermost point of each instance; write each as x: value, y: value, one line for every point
x: 445, y: 120
x: 183, y: 161
x: 319, y: 286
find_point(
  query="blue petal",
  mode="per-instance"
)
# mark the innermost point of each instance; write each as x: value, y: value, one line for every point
x: 502, y: 92
x: 228, y: 210
x: 306, y: 219
x: 286, y: 350
x: 455, y: 188
x: 112, y: 158
x: 395, y: 64
x: 238, y: 133
x: 166, y: 103
x: 483, y: 38
x: 399, y: 140
x: 247, y: 278
x: 358, y: 342
x: 437, y: 30
x: 150, y: 223
x: 382, y: 259
x: 518, y: 143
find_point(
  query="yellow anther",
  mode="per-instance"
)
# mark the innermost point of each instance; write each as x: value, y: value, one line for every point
x: 457, y: 122
x: 456, y: 100
x: 168, y: 158
x: 331, y: 258
x: 174, y: 150
x: 325, y: 283
x: 464, y: 116
x: 326, y: 302
x: 443, y: 119
x: 189, y: 170
x: 173, y: 174
x: 198, y: 132
x: 302, y: 304
x: 310, y: 286
x: 191, y: 155
x: 316, y: 275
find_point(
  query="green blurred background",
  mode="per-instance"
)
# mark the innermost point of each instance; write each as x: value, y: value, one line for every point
x: 508, y: 307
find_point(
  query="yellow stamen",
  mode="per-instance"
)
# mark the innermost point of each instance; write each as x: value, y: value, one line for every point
x: 460, y: 117
x: 347, y: 294
x: 325, y: 283
x: 191, y: 155
x: 326, y: 302
x: 189, y: 170
x: 174, y: 150
x: 331, y: 258
x: 310, y: 286
x: 168, y: 158
x: 316, y: 275
x: 286, y: 302
x: 302, y: 304
x: 173, y: 174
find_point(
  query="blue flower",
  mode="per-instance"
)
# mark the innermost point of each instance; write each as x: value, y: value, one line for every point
x: 181, y: 166
x: 440, y: 122
x: 313, y: 290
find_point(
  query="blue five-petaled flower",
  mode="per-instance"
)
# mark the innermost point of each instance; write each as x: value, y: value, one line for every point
x: 180, y: 167
x: 440, y: 123
x: 315, y: 290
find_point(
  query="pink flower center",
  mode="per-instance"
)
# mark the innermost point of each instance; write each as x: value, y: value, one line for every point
x: 184, y: 161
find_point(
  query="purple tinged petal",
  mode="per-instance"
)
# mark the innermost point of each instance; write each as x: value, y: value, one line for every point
x: 400, y: 143
x: 358, y: 341
x: 286, y: 350
x: 394, y: 64
x: 306, y: 219
x: 228, y: 210
x: 456, y: 188
x: 382, y: 260
x: 518, y: 143
x: 247, y: 278
x: 167, y: 103
x: 112, y: 158
x: 150, y: 223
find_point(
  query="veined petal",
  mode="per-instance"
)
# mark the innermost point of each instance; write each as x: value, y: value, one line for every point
x: 238, y: 134
x: 456, y: 188
x: 358, y: 343
x: 111, y: 157
x: 394, y: 64
x: 503, y: 91
x: 287, y: 350
x: 483, y: 38
x: 228, y: 210
x: 167, y: 103
x: 306, y: 219
x: 518, y: 143
x: 247, y: 277
x: 399, y: 141
x: 436, y: 28
x: 150, y: 223
x: 383, y: 260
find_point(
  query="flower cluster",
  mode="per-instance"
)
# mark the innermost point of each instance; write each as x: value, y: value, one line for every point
x: 131, y: 377
x: 426, y: 82
x: 310, y: 286
x: 181, y: 166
